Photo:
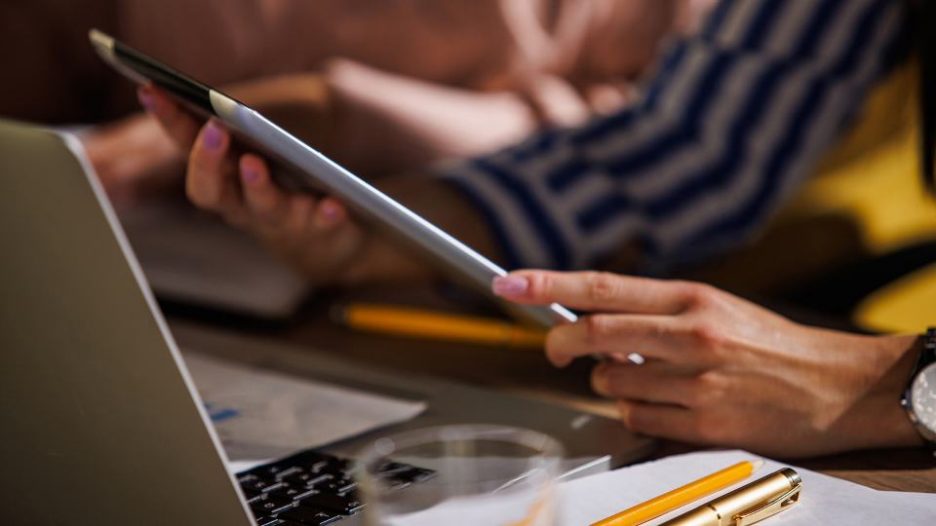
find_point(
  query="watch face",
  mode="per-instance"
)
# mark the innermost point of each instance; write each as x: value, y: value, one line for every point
x: 923, y: 397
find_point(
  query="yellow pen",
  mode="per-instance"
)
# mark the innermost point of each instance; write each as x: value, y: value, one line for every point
x: 681, y: 496
x: 422, y: 323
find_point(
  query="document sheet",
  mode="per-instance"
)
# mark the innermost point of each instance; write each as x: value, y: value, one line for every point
x: 824, y: 499
x: 261, y: 415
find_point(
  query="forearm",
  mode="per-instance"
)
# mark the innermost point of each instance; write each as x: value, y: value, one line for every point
x: 883, y: 365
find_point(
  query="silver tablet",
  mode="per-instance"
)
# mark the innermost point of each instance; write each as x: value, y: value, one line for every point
x: 297, y: 167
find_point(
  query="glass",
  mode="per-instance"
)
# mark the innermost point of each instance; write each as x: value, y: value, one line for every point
x: 490, y: 475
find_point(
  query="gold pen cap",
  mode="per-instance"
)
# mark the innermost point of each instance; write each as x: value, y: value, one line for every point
x: 748, y: 504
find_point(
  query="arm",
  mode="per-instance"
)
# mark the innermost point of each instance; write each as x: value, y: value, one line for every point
x: 734, y: 119
x: 721, y: 371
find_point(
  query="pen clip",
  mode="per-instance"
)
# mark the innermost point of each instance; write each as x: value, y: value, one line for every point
x: 769, y: 508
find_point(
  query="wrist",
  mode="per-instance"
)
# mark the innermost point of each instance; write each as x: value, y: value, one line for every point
x: 898, y: 425
x: 919, y: 396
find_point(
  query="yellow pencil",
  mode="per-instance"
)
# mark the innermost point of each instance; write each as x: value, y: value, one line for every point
x: 681, y: 496
x: 421, y: 323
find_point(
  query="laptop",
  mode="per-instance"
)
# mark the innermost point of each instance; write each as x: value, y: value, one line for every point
x: 100, y: 422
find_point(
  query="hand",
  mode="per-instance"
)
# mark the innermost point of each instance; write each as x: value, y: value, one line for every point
x: 315, y: 235
x: 133, y: 159
x: 721, y: 371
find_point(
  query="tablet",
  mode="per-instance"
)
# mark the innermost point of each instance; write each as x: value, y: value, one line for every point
x: 297, y: 166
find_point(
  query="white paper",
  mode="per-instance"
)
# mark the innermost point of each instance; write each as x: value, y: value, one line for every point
x: 260, y: 414
x: 824, y: 499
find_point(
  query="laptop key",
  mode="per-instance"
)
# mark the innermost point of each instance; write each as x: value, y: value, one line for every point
x: 271, y: 506
x: 337, y: 486
x: 260, y: 485
x: 268, y: 521
x: 346, y: 505
x: 309, y: 516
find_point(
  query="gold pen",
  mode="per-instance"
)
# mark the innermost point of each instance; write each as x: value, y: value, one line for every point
x: 748, y: 504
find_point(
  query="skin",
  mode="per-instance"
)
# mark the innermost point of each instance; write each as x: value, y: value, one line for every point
x: 316, y: 235
x: 722, y: 371
x: 718, y: 370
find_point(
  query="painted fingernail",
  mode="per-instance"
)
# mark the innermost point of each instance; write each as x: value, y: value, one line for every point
x: 146, y: 99
x: 510, y: 285
x: 212, y: 137
x: 249, y: 174
x: 329, y: 214
x: 330, y: 211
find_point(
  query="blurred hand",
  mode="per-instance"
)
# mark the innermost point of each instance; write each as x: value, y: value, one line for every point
x: 721, y: 371
x: 133, y: 159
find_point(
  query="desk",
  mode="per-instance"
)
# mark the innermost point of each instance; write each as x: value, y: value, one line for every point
x: 529, y: 374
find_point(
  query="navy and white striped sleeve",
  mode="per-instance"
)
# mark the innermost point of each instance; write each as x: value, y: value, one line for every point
x: 735, y: 117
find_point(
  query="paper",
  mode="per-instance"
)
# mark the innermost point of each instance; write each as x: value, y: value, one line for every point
x: 824, y: 499
x: 261, y: 415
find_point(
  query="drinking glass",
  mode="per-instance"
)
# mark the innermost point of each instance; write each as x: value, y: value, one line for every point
x: 480, y: 475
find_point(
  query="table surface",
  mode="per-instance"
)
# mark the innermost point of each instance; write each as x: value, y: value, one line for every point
x: 527, y: 373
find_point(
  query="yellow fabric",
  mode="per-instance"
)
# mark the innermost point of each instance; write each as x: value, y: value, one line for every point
x: 873, y: 173
x: 908, y: 305
x: 873, y: 177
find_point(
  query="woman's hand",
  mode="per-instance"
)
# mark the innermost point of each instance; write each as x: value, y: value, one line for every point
x: 316, y: 235
x: 721, y: 371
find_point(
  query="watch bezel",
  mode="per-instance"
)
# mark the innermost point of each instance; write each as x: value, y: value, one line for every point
x: 910, y: 403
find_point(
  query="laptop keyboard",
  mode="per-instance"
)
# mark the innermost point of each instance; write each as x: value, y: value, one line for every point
x: 313, y: 488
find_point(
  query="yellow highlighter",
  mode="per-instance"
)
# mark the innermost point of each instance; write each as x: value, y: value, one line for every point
x: 681, y: 496
x: 421, y: 323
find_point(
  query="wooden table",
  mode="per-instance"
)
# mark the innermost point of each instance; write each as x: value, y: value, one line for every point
x: 528, y: 373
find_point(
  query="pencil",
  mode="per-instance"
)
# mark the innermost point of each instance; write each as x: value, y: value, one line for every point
x: 422, y: 323
x: 681, y: 496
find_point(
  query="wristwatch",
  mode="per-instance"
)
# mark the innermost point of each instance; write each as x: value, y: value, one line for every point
x: 919, y: 400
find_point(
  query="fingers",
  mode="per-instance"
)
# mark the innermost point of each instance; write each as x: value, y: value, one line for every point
x: 178, y: 123
x: 595, y: 291
x: 660, y: 420
x: 266, y: 203
x: 653, y: 381
x: 612, y: 334
x: 211, y: 181
x: 669, y: 338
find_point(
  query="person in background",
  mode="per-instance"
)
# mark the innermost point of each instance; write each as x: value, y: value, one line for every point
x: 735, y: 118
x: 409, y: 82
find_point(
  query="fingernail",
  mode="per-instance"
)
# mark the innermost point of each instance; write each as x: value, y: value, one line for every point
x: 146, y: 99
x: 329, y: 211
x: 624, y: 410
x: 249, y: 175
x: 212, y: 137
x: 510, y: 285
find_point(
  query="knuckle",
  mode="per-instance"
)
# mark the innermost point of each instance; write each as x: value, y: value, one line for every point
x: 601, y: 287
x: 598, y: 328
x: 541, y: 285
x: 707, y: 337
x: 707, y: 389
x: 699, y: 295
